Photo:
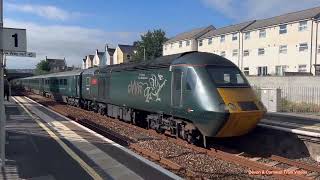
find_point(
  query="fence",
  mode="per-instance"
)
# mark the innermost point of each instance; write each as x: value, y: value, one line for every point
x: 298, y: 99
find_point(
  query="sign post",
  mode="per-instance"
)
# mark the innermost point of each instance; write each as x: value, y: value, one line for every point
x: 2, y: 110
x: 13, y: 42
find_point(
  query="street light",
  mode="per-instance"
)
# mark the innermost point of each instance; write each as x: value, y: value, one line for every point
x: 144, y: 52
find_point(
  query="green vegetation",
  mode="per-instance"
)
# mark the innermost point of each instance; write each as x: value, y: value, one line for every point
x: 289, y: 106
x: 150, y: 44
x: 42, y: 67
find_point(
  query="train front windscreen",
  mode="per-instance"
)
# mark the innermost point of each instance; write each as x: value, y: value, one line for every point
x: 225, y: 76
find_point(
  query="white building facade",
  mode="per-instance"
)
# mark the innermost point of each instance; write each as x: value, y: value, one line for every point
x: 281, y: 45
x: 184, y: 42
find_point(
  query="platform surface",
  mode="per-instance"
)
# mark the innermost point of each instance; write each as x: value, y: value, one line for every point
x: 298, y: 122
x: 42, y: 144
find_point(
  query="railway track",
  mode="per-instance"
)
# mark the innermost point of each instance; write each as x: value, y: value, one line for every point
x: 257, y: 167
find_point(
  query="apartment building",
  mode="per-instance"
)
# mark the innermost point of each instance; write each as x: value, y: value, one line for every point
x: 224, y: 41
x: 185, y: 42
x: 281, y: 45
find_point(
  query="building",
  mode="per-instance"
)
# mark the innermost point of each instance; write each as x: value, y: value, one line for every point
x: 224, y: 41
x: 57, y: 65
x: 123, y: 53
x: 108, y: 55
x: 89, y: 61
x: 280, y: 45
x: 185, y: 42
x: 98, y: 59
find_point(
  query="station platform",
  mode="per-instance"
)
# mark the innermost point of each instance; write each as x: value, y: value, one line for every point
x: 303, y: 124
x: 41, y: 144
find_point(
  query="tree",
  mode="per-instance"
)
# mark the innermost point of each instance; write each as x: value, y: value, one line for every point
x: 42, y: 67
x: 150, y: 44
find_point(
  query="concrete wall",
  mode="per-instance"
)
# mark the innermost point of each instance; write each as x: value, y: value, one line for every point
x: 284, y: 81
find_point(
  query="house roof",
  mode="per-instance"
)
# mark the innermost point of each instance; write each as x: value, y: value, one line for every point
x: 110, y: 51
x: 286, y: 18
x: 193, y: 34
x: 90, y: 57
x: 56, y: 62
x: 128, y: 49
x: 227, y: 29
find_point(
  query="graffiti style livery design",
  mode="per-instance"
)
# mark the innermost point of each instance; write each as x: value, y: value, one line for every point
x: 150, y: 88
x: 192, y: 95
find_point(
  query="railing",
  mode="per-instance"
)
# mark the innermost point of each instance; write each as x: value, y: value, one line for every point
x: 298, y: 99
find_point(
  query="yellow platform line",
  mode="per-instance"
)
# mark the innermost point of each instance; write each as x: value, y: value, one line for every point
x: 71, y: 153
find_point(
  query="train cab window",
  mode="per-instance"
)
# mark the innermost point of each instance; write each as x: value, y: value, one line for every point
x: 227, y: 76
x: 191, y: 79
x: 177, y: 79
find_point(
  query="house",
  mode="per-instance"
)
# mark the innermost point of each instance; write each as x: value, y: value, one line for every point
x: 123, y: 53
x: 224, y: 41
x: 98, y: 59
x: 89, y: 61
x: 185, y: 42
x: 57, y: 65
x: 108, y: 55
x: 280, y: 45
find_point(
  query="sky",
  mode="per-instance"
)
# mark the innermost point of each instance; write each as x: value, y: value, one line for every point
x: 72, y: 29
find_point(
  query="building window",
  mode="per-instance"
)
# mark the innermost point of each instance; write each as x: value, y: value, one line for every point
x: 165, y: 47
x: 234, y: 36
x: 280, y: 70
x: 171, y: 45
x: 261, y: 51
x: 128, y: 57
x: 246, y: 71
x: 235, y: 52
x: 180, y: 44
x: 262, y: 71
x: 200, y: 42
x: 318, y: 49
x: 247, y: 35
x: 283, y: 49
x: 223, y: 53
x: 303, y: 47
x: 209, y: 41
x: 262, y: 33
x: 283, y: 29
x: 317, y: 69
x: 246, y: 53
x: 303, y: 25
x: 187, y: 42
x: 222, y: 38
x: 302, y: 68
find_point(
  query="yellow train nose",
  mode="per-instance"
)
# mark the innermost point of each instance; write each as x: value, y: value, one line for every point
x: 244, y: 108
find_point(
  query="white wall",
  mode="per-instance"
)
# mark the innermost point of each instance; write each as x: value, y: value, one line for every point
x: 173, y: 48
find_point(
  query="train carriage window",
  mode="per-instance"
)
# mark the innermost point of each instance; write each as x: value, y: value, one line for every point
x: 61, y: 82
x: 65, y: 81
x: 191, y: 79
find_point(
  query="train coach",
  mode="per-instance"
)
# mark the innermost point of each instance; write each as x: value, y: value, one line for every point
x: 192, y: 95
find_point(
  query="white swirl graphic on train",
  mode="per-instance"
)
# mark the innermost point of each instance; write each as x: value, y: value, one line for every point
x: 150, y: 87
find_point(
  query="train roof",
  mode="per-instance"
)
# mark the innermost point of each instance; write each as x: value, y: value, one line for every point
x: 190, y: 58
x: 59, y: 74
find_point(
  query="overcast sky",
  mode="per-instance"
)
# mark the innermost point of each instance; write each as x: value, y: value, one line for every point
x: 75, y: 28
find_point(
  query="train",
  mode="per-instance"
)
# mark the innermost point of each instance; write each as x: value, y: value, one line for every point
x: 192, y: 96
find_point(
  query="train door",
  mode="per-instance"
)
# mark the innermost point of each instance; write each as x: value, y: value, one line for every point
x: 176, y: 87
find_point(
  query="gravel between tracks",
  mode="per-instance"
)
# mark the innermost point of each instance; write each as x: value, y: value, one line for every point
x: 202, y: 165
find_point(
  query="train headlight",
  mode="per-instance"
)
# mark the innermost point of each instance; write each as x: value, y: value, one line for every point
x: 232, y: 107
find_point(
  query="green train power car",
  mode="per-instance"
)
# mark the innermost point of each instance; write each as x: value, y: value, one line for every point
x: 191, y: 95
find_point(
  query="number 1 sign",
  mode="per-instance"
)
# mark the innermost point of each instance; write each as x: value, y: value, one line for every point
x: 13, y: 39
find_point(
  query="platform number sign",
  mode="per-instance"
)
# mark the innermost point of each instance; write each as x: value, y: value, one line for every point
x: 14, y: 40
x: 15, y: 36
